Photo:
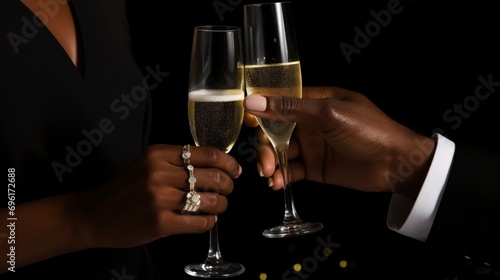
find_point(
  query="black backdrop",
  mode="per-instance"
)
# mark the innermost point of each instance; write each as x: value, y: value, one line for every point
x: 420, y: 68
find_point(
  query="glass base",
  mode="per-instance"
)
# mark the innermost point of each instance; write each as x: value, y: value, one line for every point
x: 222, y: 270
x: 292, y: 229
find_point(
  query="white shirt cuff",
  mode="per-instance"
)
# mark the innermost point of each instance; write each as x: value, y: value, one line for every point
x: 414, y: 218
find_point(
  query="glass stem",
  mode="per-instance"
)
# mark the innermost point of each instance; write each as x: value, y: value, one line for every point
x: 291, y: 215
x: 214, y: 256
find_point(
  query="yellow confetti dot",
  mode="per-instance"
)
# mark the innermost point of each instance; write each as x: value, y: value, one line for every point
x: 297, y: 267
x: 263, y: 276
x: 343, y: 264
x: 327, y: 252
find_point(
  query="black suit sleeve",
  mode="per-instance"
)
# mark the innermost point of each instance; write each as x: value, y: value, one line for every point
x: 468, y: 218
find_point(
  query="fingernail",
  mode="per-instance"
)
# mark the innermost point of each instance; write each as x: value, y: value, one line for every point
x: 270, y: 182
x: 256, y: 103
x: 215, y: 218
x: 259, y: 169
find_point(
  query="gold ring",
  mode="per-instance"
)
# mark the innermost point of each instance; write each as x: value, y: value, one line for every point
x: 192, y: 203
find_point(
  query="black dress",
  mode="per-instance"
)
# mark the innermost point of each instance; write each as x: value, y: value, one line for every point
x: 65, y: 130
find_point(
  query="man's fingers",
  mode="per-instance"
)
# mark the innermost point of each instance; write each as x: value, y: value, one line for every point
x: 296, y: 172
x: 250, y: 120
x: 282, y: 108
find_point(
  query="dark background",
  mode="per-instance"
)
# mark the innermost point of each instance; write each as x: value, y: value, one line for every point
x: 424, y: 62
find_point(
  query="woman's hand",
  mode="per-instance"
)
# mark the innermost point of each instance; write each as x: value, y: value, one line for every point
x: 143, y: 203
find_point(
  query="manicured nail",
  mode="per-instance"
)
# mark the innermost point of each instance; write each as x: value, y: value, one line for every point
x: 259, y: 169
x: 256, y: 103
x: 270, y: 182
x: 215, y: 218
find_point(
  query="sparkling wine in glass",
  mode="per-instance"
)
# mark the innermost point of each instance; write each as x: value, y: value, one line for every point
x: 272, y: 68
x: 215, y: 110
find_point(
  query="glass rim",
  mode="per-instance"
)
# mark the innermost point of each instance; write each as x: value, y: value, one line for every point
x: 267, y: 4
x: 218, y: 28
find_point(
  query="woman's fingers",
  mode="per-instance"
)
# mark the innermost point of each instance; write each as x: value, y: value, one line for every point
x: 214, y: 158
x: 213, y: 169
x: 187, y: 224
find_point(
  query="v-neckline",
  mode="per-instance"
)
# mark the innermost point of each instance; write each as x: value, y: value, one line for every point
x: 79, y: 68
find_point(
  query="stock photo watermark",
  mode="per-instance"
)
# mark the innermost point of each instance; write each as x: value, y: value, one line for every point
x: 363, y: 37
x: 221, y: 7
x: 121, y: 275
x: 249, y: 147
x: 11, y: 219
x: 458, y: 112
x: 407, y: 165
x: 310, y: 264
x: 31, y: 27
x: 121, y: 107
x: 454, y: 116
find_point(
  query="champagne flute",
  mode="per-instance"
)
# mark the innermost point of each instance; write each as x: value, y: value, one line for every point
x: 272, y: 67
x: 215, y: 109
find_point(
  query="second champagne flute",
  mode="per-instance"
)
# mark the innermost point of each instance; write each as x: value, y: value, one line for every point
x: 215, y: 107
x: 272, y: 67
